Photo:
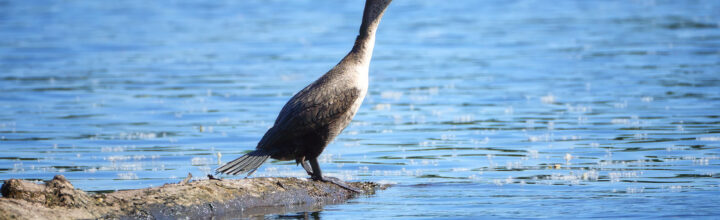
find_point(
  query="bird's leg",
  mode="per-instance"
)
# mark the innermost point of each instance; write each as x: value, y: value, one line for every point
x: 317, y: 176
x: 306, y: 166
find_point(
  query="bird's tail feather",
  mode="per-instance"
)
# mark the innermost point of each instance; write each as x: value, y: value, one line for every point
x: 248, y: 163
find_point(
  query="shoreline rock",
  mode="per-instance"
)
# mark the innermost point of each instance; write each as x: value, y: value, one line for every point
x: 58, y: 199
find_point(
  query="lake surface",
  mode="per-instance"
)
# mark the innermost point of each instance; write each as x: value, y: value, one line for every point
x: 499, y: 109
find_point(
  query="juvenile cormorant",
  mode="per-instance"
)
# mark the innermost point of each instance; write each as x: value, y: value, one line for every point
x: 312, y: 118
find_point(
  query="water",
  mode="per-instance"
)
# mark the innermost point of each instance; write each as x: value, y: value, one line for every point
x: 475, y: 109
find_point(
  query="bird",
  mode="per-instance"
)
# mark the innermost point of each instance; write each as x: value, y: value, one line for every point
x: 318, y: 113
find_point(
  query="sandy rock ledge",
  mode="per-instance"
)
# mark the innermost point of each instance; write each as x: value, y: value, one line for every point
x: 58, y: 199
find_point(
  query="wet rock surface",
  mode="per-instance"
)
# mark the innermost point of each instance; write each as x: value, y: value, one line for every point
x: 58, y: 199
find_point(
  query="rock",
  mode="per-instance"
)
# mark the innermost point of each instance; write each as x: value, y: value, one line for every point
x: 58, y: 199
x: 23, y: 190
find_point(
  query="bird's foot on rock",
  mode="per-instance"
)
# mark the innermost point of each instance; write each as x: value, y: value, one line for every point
x: 337, y: 182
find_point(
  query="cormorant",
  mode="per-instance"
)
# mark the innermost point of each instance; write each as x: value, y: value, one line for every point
x: 312, y: 118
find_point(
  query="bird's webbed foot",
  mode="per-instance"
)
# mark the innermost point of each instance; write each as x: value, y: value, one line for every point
x: 316, y: 174
x: 337, y: 182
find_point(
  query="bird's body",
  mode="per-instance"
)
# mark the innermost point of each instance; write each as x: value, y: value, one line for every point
x: 313, y: 117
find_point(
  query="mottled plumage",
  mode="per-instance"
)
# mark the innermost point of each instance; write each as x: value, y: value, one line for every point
x: 313, y: 117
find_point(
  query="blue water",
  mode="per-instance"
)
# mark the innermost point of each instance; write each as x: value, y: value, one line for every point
x: 498, y: 109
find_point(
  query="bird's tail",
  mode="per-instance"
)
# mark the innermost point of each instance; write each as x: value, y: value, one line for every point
x: 247, y: 163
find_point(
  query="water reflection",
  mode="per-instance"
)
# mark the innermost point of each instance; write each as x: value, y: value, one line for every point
x: 300, y: 215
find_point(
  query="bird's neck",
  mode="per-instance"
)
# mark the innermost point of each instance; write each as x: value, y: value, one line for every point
x: 365, y: 42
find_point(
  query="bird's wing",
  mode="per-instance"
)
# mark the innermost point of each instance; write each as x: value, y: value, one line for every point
x: 322, y: 107
x: 310, y: 110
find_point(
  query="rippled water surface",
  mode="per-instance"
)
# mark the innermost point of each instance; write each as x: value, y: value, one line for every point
x: 475, y: 108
